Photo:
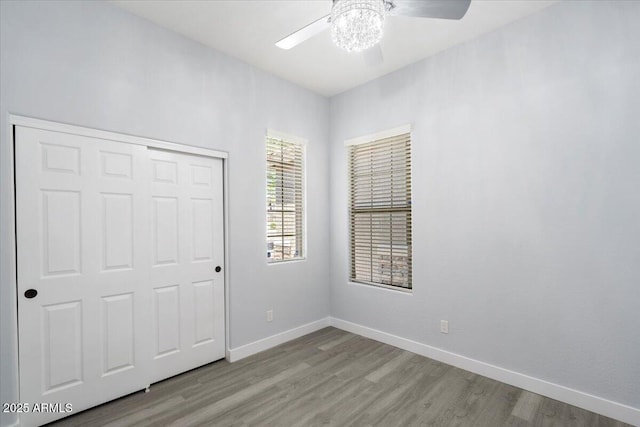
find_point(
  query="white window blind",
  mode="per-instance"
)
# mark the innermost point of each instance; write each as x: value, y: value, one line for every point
x: 285, y: 200
x: 380, y: 211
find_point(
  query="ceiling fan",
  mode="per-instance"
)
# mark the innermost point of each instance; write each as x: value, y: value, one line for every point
x: 358, y: 25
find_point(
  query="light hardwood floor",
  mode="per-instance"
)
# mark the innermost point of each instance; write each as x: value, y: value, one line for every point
x: 332, y: 377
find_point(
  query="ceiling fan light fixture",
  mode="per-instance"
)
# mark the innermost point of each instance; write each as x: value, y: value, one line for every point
x: 357, y: 25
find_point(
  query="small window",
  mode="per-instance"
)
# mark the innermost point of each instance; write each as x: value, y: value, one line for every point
x: 380, y: 211
x: 285, y: 200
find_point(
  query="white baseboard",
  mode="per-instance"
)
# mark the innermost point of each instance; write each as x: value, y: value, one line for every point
x: 577, y: 398
x: 250, y: 349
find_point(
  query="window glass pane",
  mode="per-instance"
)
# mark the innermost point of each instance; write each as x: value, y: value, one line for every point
x: 285, y: 200
x: 380, y: 211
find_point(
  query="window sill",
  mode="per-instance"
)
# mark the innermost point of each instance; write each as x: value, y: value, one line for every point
x: 402, y: 291
x: 287, y: 261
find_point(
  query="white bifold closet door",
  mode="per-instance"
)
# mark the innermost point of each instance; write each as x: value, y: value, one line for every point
x: 117, y: 249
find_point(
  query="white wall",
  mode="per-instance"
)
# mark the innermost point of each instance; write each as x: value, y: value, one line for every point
x: 92, y: 64
x: 526, y: 174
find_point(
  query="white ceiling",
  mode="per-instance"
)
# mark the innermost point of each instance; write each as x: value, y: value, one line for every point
x: 248, y: 29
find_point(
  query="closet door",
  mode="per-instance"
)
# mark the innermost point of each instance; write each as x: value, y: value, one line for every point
x: 120, y: 250
x: 187, y: 256
x: 83, y: 252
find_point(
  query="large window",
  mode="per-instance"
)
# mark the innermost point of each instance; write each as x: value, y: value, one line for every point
x: 380, y: 210
x: 285, y: 200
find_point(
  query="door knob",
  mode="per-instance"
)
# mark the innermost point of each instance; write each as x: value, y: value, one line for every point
x: 30, y: 293
x: 218, y: 269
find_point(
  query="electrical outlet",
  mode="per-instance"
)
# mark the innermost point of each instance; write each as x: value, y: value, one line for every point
x: 269, y: 315
x: 444, y: 326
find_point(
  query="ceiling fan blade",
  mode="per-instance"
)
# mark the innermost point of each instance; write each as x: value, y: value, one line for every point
x: 304, y: 33
x: 442, y: 9
x: 373, y: 56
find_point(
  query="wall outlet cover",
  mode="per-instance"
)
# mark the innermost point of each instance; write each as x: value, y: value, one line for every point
x: 444, y: 326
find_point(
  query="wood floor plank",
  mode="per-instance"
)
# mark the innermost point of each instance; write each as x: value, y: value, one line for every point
x: 498, y: 406
x: 451, y: 387
x: 333, y: 377
x: 385, y: 369
x: 473, y: 401
x: 321, y: 405
x: 335, y: 342
x: 311, y: 385
x: 527, y: 405
x: 140, y: 415
x: 376, y: 355
x: 209, y: 412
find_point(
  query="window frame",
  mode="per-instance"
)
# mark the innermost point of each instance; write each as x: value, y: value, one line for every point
x: 290, y: 139
x: 368, y: 139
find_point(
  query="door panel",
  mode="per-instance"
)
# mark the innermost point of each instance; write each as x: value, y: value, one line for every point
x: 81, y: 234
x: 61, y: 233
x: 167, y: 320
x: 118, y: 338
x: 117, y: 231
x: 204, y: 316
x: 203, y: 239
x: 62, y: 346
x: 186, y: 195
x: 116, y: 165
x: 165, y: 230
